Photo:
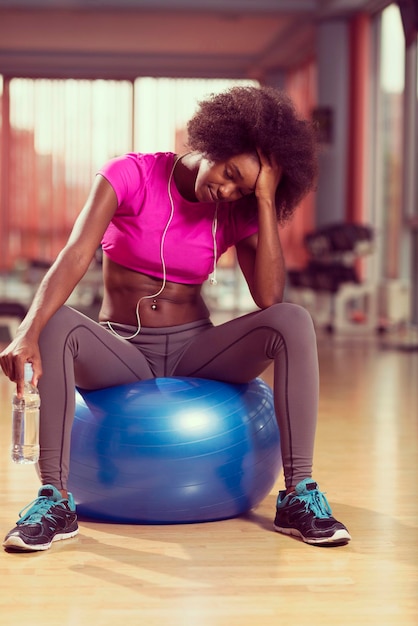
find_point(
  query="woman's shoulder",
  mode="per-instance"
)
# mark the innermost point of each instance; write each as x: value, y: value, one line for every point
x: 131, y: 172
x: 145, y: 161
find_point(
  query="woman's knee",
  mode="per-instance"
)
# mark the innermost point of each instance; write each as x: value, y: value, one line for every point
x: 287, y: 316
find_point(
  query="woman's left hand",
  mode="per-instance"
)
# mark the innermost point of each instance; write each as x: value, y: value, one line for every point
x: 268, y: 177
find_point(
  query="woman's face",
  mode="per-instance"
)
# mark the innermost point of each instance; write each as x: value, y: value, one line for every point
x: 227, y: 181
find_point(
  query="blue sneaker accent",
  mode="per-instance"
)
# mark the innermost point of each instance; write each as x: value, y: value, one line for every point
x: 48, y: 518
x: 306, y: 513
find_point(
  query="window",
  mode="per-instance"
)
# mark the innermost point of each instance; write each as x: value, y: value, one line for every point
x: 391, y: 82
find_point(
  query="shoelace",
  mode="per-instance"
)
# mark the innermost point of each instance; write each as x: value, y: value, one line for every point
x: 316, y: 502
x: 35, y: 510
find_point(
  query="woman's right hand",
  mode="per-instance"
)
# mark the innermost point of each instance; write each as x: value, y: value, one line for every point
x: 13, y: 358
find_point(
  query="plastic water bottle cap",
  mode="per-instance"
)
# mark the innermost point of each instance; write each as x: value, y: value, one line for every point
x: 28, y: 372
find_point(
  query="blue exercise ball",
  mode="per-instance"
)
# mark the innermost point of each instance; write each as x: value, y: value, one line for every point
x: 173, y: 450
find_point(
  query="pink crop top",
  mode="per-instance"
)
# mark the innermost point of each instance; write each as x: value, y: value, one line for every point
x: 133, y: 237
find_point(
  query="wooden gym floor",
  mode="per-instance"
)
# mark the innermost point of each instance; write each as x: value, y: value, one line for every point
x: 240, y: 572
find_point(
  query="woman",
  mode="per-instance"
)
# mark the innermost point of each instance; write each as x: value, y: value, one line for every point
x: 162, y: 221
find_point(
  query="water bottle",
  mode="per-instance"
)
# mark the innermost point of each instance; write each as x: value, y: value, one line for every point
x: 25, y: 427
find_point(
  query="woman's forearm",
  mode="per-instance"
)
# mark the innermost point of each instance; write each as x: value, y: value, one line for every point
x: 268, y: 279
x: 269, y: 268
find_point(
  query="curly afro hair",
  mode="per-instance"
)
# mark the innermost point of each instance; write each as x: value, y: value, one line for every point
x: 242, y: 119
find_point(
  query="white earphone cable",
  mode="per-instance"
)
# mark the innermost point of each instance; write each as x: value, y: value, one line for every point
x: 213, y: 280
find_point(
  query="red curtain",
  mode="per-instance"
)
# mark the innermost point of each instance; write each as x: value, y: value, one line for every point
x: 301, y: 87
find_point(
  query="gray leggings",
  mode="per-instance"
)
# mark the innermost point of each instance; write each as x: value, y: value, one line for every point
x: 76, y: 351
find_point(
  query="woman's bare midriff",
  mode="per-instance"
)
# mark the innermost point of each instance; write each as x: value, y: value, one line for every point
x: 177, y: 304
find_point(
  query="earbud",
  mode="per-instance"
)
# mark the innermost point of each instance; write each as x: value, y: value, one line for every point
x: 212, y: 279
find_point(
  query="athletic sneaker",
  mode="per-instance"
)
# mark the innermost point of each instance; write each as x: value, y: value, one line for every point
x: 305, y: 513
x: 48, y: 518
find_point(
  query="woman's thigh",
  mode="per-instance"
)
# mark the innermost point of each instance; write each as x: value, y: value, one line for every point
x: 241, y: 349
x: 75, y: 347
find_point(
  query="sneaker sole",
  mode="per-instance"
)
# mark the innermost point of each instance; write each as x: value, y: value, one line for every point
x: 16, y: 543
x: 339, y: 537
